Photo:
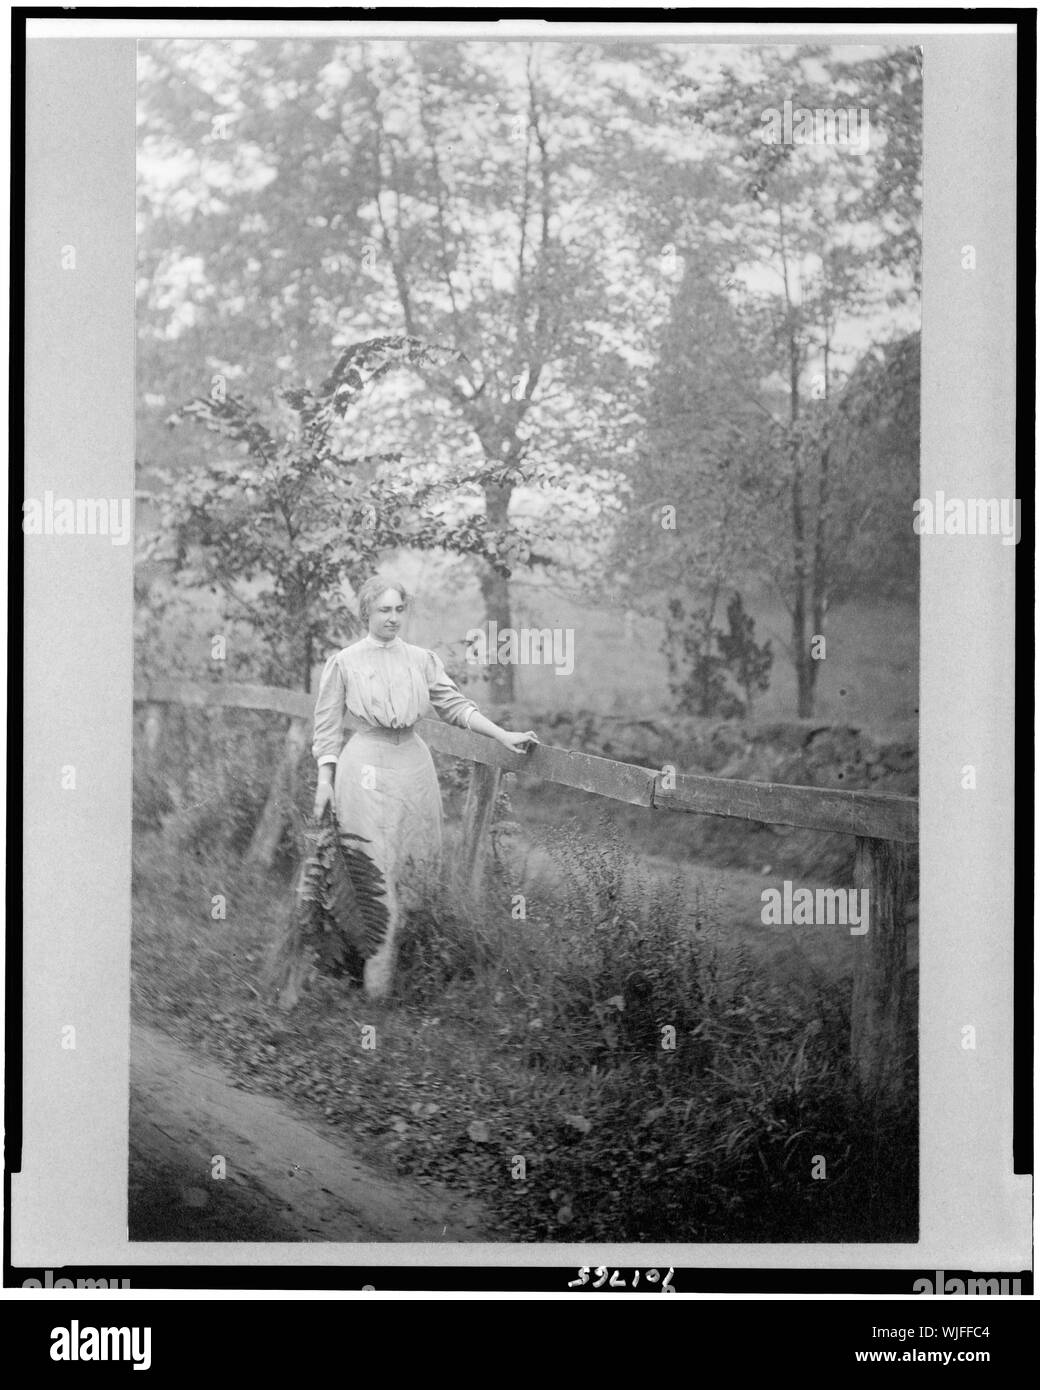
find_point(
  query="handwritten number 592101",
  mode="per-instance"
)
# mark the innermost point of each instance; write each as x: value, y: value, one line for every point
x: 614, y: 1281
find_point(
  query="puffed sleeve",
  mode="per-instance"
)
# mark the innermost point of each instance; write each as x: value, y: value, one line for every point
x: 328, y: 714
x: 445, y: 696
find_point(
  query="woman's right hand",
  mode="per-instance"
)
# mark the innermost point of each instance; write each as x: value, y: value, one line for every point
x: 322, y: 797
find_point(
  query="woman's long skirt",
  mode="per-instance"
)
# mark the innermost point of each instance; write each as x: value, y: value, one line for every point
x: 387, y: 792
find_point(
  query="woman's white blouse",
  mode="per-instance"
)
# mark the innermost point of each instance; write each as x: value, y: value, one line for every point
x: 384, y: 683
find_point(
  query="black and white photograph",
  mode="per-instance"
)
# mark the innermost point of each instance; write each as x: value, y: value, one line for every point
x: 526, y: 653
x: 522, y: 762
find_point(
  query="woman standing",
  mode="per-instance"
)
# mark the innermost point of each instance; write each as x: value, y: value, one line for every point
x: 382, y: 783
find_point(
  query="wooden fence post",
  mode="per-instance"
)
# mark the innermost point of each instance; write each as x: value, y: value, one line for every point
x: 880, y: 1014
x: 269, y: 827
x: 476, y: 823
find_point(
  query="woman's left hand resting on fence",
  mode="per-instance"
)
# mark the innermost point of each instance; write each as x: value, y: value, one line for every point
x: 518, y: 743
x: 508, y: 738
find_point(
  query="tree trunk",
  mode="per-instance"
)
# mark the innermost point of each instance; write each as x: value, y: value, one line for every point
x: 299, y: 640
x: 495, y: 589
x: 705, y: 703
x: 820, y: 579
x: 819, y: 574
x: 802, y: 659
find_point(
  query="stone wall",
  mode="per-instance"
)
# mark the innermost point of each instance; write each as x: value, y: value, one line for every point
x: 797, y: 752
x: 802, y: 752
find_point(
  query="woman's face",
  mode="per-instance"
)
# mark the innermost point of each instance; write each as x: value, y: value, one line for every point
x: 386, y: 616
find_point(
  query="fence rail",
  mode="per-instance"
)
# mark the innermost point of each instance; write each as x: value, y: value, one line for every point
x: 873, y: 815
x: 885, y: 829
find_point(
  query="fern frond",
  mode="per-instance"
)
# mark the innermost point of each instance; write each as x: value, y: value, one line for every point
x: 340, y: 916
x: 357, y: 895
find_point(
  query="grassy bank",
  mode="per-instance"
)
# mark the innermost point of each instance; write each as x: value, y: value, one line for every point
x: 530, y: 1059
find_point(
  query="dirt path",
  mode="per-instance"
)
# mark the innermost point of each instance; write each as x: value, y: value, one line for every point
x: 285, y: 1181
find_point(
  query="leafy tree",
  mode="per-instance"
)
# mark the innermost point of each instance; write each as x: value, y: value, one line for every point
x: 459, y: 193
x: 809, y: 255
x: 703, y: 461
x: 696, y: 671
x: 516, y: 203
x: 875, y: 436
x: 701, y: 655
x: 749, y: 662
x: 280, y: 524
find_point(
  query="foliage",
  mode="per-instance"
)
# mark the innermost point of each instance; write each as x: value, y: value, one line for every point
x: 875, y: 436
x: 784, y: 255
x: 701, y: 656
x: 649, y: 305
x: 340, y: 917
x: 289, y: 518
x: 205, y: 786
x: 430, y: 189
x: 543, y: 1038
x: 696, y: 671
x: 748, y: 661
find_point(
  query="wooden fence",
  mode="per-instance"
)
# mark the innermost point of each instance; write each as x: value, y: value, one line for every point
x: 885, y: 829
